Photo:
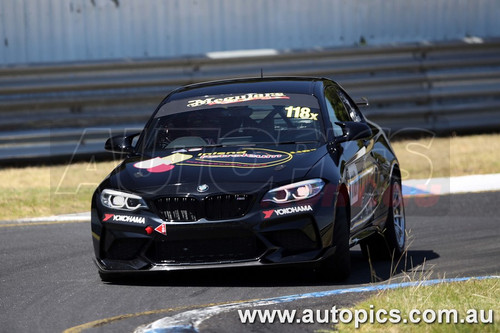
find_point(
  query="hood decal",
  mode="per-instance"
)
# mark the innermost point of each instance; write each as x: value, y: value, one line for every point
x: 245, y: 158
x: 162, y: 164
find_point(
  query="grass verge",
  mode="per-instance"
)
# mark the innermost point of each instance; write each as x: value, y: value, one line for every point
x: 460, y: 296
x: 52, y: 190
x: 443, y: 157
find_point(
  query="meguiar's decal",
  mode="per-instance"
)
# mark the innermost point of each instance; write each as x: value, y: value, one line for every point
x: 300, y: 113
x: 236, y: 99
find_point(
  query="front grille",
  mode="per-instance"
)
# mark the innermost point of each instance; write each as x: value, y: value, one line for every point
x: 226, y: 206
x: 214, y: 207
x: 235, y: 247
x: 178, y: 209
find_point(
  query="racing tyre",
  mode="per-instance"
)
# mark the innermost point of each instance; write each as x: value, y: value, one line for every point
x: 390, y: 244
x: 338, y: 266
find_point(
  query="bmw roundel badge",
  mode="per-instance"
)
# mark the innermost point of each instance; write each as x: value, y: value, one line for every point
x: 202, y: 188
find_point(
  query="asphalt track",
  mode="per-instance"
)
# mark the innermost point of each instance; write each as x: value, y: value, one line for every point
x: 48, y: 282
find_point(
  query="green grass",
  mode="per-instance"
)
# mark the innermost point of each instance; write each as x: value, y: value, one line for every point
x: 462, y: 296
x: 52, y: 190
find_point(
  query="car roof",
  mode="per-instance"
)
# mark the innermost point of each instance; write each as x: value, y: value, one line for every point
x: 302, y: 85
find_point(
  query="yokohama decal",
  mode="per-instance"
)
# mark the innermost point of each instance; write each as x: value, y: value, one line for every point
x: 268, y: 213
x: 287, y: 211
x: 124, y: 218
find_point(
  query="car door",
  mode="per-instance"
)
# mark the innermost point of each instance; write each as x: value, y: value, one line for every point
x: 360, y: 169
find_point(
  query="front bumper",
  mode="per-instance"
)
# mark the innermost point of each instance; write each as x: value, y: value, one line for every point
x: 291, y: 234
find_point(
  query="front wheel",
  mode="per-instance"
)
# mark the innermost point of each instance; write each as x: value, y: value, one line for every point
x: 391, y: 242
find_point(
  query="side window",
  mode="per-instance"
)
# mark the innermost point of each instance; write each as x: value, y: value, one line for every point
x: 352, y: 109
x: 336, y: 110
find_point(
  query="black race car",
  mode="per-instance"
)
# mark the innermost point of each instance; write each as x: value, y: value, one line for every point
x: 261, y: 171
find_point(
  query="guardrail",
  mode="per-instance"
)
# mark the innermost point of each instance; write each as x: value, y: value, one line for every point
x: 70, y: 109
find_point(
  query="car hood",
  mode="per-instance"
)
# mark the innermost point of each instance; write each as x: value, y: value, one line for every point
x: 224, y: 169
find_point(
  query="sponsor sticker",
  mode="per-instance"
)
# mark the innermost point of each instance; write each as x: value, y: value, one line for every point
x: 239, y: 155
x: 287, y: 211
x: 162, y: 229
x: 124, y: 218
x: 249, y: 158
x: 300, y: 113
x: 246, y: 158
x: 162, y: 164
x: 236, y: 99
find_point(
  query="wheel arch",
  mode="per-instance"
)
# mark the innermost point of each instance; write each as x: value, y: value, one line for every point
x: 386, y: 197
x: 343, y: 194
x: 395, y: 171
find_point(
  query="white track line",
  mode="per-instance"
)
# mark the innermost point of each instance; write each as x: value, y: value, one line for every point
x: 452, y: 185
x: 190, y: 321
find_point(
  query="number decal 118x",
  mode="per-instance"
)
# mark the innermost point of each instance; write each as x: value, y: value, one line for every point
x: 301, y: 113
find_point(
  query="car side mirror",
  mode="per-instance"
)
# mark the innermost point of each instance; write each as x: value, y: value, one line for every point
x: 120, y: 144
x: 353, y: 130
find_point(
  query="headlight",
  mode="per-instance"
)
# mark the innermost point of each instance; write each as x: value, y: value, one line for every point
x: 120, y: 200
x: 295, y: 192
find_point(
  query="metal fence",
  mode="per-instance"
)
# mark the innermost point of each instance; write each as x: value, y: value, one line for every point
x: 64, y: 110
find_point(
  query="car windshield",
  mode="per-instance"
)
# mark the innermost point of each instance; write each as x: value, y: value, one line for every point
x: 235, y: 119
